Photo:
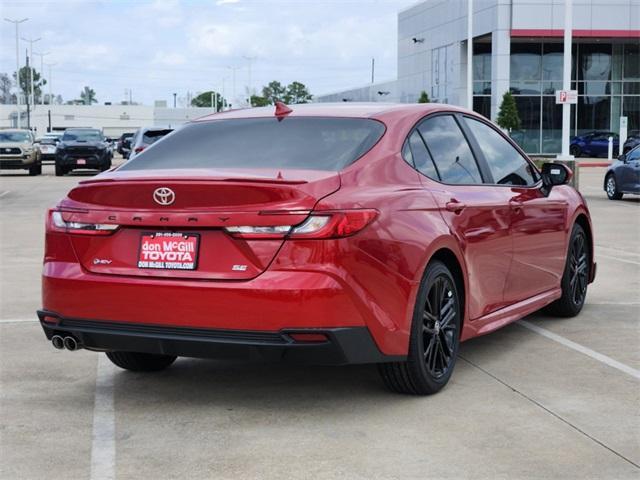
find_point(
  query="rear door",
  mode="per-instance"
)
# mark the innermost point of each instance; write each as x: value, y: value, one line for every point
x: 477, y: 214
x: 537, y: 221
x: 629, y: 176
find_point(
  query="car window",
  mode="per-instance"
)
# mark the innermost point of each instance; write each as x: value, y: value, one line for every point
x: 449, y: 150
x: 151, y: 136
x: 634, y: 154
x: 507, y: 165
x: 421, y: 158
x: 297, y: 143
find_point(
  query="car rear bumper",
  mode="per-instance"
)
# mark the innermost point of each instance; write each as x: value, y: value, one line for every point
x: 347, y: 345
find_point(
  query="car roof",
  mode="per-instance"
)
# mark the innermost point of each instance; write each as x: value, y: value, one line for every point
x: 342, y: 110
x: 15, y: 130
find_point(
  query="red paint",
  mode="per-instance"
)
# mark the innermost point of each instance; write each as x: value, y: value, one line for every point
x: 582, y: 33
x: 387, y: 222
x: 594, y: 164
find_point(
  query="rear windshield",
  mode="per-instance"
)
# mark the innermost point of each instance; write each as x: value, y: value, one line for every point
x: 291, y: 143
x: 152, y: 136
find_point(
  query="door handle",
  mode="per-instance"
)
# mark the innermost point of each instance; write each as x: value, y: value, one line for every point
x: 455, y: 206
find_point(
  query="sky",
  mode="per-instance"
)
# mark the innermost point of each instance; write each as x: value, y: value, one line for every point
x: 157, y: 47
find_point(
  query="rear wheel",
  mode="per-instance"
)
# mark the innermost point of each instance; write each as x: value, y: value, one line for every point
x: 575, y: 150
x: 612, y: 188
x: 575, y: 278
x: 60, y: 170
x: 435, y: 337
x: 140, y: 362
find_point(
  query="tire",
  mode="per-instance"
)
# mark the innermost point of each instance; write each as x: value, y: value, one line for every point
x: 611, y: 187
x: 575, y: 150
x: 35, y: 169
x: 60, y: 170
x: 435, y: 330
x: 576, y: 276
x: 140, y: 362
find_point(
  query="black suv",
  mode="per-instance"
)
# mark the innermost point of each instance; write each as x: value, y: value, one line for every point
x: 82, y: 148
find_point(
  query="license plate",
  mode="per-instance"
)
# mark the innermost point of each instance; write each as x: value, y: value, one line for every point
x: 169, y: 251
x: 81, y: 161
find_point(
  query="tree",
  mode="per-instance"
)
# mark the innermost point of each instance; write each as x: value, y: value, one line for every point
x: 259, y: 101
x: 424, y: 97
x: 207, y: 99
x: 508, y: 117
x: 297, y: 93
x: 6, y: 97
x: 273, y: 92
x: 88, y: 96
x: 25, y: 82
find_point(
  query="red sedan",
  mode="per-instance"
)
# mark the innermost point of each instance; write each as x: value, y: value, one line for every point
x: 333, y: 234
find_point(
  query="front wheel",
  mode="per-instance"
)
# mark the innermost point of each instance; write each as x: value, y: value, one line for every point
x: 435, y: 337
x: 576, y: 276
x: 575, y: 150
x: 612, y: 188
x: 35, y: 169
x: 141, y: 362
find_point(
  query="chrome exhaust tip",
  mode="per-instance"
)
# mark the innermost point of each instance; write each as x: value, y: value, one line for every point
x: 57, y: 342
x: 71, y: 344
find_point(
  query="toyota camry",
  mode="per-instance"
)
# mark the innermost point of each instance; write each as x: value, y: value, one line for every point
x: 331, y: 234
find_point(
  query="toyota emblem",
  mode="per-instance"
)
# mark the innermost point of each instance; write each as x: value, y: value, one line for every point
x: 164, y: 196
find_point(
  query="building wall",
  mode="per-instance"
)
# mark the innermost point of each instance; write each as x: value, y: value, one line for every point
x: 112, y: 119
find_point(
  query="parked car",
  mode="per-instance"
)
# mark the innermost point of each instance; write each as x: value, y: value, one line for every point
x: 633, y: 140
x: 146, y: 137
x: 124, y: 146
x: 623, y: 176
x: 82, y: 148
x: 333, y: 234
x: 47, y: 148
x: 17, y: 151
x: 593, y: 144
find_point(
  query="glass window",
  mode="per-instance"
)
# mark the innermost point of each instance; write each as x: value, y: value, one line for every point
x: 450, y: 151
x: 552, y: 56
x: 85, y: 135
x: 526, y: 68
x: 297, y: 143
x: 421, y: 158
x: 481, y: 61
x: 631, y: 110
x: 152, y: 136
x: 594, y: 62
x: 482, y: 105
x: 632, y: 61
x: 594, y: 113
x: 634, y: 154
x: 528, y: 137
x: 406, y: 154
x: 507, y: 166
x: 551, y: 125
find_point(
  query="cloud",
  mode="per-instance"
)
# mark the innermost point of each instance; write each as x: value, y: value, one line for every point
x: 171, y: 59
x: 226, y: 2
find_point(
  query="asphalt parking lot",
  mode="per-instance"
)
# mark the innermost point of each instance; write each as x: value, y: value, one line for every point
x: 544, y: 398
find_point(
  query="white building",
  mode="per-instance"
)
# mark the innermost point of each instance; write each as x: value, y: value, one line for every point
x: 113, y: 120
x: 517, y: 47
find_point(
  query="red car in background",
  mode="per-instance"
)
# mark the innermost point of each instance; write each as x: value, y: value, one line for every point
x: 332, y: 234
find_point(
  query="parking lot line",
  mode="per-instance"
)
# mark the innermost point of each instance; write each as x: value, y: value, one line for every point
x: 2, y: 194
x: 18, y: 320
x: 582, y: 349
x: 625, y: 260
x: 103, y: 446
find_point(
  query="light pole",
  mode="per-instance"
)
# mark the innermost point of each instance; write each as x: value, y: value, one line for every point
x: 566, y: 79
x: 50, y: 82
x: 31, y: 41
x: 470, y: 55
x: 17, y: 23
x: 42, y: 55
x: 249, y: 62
x: 233, y: 79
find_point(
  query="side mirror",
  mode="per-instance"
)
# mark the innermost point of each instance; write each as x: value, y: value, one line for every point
x: 554, y: 174
x: 623, y: 158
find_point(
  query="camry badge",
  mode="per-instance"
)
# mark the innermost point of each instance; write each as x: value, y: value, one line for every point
x: 164, y: 196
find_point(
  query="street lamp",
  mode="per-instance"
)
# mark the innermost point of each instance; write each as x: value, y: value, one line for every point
x: 17, y: 23
x: 50, y: 82
x: 42, y: 55
x: 31, y: 41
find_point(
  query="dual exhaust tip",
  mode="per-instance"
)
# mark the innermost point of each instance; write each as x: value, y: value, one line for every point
x: 67, y: 342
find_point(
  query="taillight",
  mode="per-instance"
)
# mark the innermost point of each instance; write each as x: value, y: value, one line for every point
x: 59, y: 223
x: 328, y: 224
x: 139, y: 149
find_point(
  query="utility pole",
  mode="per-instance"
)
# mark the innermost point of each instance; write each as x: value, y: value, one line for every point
x: 233, y: 80
x: 28, y: 104
x: 470, y: 55
x: 373, y: 69
x: 224, y: 94
x: 31, y: 41
x: 249, y: 62
x: 50, y: 82
x: 42, y: 55
x: 17, y: 23
x: 566, y: 79
x: 174, y: 99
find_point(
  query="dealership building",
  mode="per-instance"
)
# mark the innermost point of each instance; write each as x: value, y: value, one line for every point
x: 518, y: 47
